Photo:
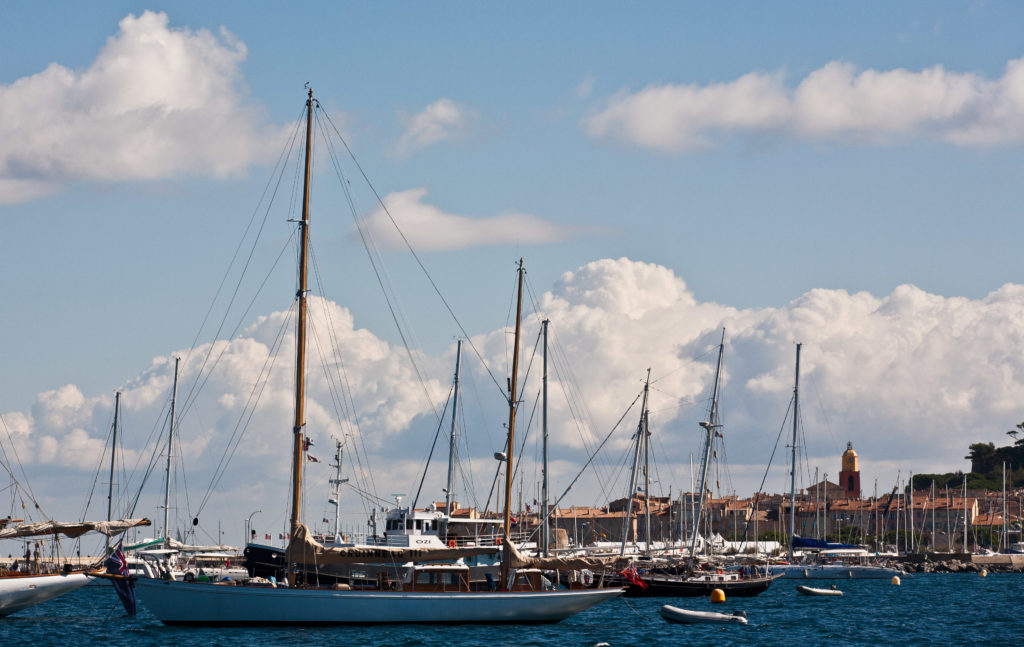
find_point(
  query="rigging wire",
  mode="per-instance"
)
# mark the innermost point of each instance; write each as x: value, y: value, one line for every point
x: 278, y: 171
x: 248, y: 410
x: 415, y: 256
x: 379, y: 273
x: 345, y: 388
x: 433, y: 445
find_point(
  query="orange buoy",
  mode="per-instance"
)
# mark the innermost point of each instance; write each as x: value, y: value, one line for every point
x: 718, y: 595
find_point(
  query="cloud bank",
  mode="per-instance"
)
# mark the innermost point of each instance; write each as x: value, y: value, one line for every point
x: 431, y: 229
x: 911, y: 378
x: 156, y: 102
x: 835, y: 102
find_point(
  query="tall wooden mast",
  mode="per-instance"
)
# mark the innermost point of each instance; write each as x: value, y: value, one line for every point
x: 792, y: 468
x: 510, y: 453
x: 298, y: 448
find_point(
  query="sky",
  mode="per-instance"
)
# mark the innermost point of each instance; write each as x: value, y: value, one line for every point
x: 838, y: 175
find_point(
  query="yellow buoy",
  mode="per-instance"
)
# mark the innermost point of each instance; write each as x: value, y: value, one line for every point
x: 718, y: 595
x: 983, y: 572
x: 895, y: 581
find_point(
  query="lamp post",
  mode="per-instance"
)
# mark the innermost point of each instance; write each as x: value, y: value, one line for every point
x: 248, y: 525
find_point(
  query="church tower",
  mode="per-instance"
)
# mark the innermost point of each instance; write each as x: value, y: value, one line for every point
x: 849, y: 477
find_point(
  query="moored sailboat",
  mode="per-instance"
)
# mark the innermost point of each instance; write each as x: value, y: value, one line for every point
x: 516, y: 598
x: 689, y: 580
x: 29, y: 585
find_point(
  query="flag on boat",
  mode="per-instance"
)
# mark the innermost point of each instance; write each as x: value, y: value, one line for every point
x: 117, y: 564
x: 634, y: 577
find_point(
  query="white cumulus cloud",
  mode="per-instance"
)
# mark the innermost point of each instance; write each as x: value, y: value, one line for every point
x: 157, y: 101
x: 835, y: 102
x: 911, y: 378
x: 429, y: 228
x: 441, y: 121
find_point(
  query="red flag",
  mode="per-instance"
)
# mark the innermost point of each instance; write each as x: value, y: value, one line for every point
x: 634, y: 577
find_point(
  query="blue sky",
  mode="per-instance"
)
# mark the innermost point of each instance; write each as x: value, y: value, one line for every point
x: 552, y: 113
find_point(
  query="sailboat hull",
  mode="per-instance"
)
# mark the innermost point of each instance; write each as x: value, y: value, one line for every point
x: 195, y: 603
x: 19, y: 592
x: 835, y: 571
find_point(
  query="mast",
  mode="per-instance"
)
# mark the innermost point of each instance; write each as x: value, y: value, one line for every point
x: 113, y: 453
x: 545, y: 528
x: 636, y: 462
x: 966, y: 550
x: 710, y: 426
x: 170, y: 445
x: 792, y: 471
x: 1004, y: 539
x: 299, y: 446
x: 647, y: 476
x: 933, y: 516
x: 910, y: 515
x: 336, y: 483
x: 451, y: 440
x: 507, y: 526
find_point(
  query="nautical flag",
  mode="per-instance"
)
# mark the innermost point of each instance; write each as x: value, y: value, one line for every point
x: 117, y: 564
x: 312, y: 458
x: 634, y: 577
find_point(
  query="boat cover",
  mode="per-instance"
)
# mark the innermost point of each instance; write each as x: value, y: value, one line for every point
x: 817, y: 544
x: 303, y: 549
x: 519, y: 560
x: 71, y: 529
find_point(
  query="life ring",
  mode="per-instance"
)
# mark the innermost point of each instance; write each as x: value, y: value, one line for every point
x: 586, y: 577
x: 451, y: 543
x: 719, y: 571
x: 497, y: 541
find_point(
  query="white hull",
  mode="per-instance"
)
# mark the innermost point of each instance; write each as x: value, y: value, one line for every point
x: 687, y: 616
x: 22, y: 592
x: 808, y: 590
x: 214, y: 604
x: 835, y: 571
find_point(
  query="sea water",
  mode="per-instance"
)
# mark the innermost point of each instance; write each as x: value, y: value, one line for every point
x: 934, y: 609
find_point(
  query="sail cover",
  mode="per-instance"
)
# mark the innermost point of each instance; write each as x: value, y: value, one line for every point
x: 519, y: 560
x: 303, y: 549
x: 817, y: 544
x: 71, y: 529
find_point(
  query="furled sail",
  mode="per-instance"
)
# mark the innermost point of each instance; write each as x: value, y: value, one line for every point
x: 519, y: 560
x: 71, y: 529
x: 303, y: 549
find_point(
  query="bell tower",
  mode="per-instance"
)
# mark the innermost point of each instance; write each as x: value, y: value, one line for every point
x: 849, y: 477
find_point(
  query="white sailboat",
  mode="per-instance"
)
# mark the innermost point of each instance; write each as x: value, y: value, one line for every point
x: 817, y: 569
x: 424, y: 597
x: 27, y: 586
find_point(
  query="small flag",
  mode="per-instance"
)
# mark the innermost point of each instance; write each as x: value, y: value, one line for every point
x: 634, y: 577
x: 312, y: 458
x: 117, y: 564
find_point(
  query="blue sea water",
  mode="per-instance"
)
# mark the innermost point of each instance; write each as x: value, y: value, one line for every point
x: 938, y: 609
